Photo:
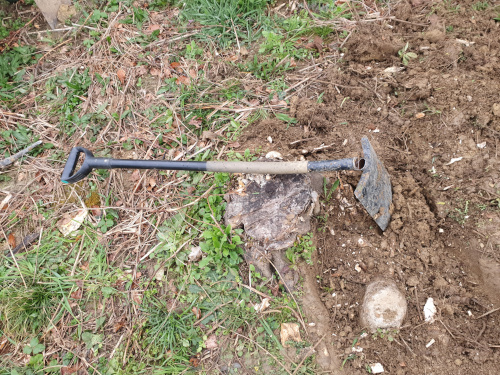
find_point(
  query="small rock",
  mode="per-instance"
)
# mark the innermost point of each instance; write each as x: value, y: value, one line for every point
x: 195, y: 254
x: 458, y: 361
x: 384, y: 306
x: 377, y: 368
x: 429, y: 310
x: 412, y: 281
x: 496, y: 109
x: 274, y: 155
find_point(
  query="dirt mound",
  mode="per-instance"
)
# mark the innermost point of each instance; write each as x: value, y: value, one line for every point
x: 436, y: 125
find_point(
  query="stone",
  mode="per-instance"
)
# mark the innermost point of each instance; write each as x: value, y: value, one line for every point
x: 496, y: 109
x: 384, y: 306
x: 412, y: 281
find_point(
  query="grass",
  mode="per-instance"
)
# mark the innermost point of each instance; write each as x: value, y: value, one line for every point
x: 122, y: 287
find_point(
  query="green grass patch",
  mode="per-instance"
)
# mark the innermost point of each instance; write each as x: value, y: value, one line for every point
x: 226, y: 20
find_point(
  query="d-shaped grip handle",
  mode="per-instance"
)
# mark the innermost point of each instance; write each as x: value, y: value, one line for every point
x: 68, y: 176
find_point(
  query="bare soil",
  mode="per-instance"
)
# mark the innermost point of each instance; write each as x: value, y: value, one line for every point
x: 444, y: 240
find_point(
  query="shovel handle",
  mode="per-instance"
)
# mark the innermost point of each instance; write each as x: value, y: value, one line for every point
x: 293, y: 167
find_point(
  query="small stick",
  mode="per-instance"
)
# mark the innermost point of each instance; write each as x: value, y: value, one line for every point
x: 19, y: 155
x: 311, y: 351
x: 488, y: 313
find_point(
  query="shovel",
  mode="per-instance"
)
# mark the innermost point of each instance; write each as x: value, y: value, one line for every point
x: 373, y: 191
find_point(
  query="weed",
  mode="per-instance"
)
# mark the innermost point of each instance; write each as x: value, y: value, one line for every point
x: 460, y: 215
x: 192, y: 50
x: 405, y: 55
x: 480, y: 6
x: 384, y: 333
x: 302, y: 248
x: 328, y: 193
x: 285, y: 118
x: 350, y: 357
x: 14, y: 140
x: 108, y: 220
x: 8, y: 25
x: 12, y: 74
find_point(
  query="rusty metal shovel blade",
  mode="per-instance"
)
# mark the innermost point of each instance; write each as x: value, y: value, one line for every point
x: 374, y: 189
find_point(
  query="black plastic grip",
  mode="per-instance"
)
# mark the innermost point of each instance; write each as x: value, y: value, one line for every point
x: 68, y: 176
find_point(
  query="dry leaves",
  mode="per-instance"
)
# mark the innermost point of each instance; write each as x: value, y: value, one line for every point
x: 68, y: 225
x: 197, y: 312
x: 289, y: 332
x: 183, y: 80
x: 121, y: 75
x: 211, y: 342
x: 69, y: 370
x: 12, y: 240
x: 420, y: 115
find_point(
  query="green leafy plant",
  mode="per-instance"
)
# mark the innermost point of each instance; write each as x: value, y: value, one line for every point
x: 384, y: 333
x: 405, y: 55
x: 34, y: 347
x: 108, y: 220
x: 460, y: 215
x: 12, y: 74
x: 303, y: 248
x: 192, y: 50
x: 285, y: 118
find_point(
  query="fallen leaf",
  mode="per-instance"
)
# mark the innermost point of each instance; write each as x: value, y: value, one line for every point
x: 152, y: 28
x: 5, y: 202
x: 193, y: 73
x: 67, y: 225
x: 119, y: 325
x: 211, y: 342
x: 121, y: 75
x: 195, y: 254
x: 152, y: 182
x: 183, y: 80
x: 259, y: 307
x: 69, y: 370
x: 232, y: 58
x: 195, y: 361
x: 289, y: 332
x: 420, y: 115
x: 175, y: 65
x: 197, y: 312
x: 136, y: 296
x: 141, y: 70
x: 234, y: 144
x: 318, y: 43
x: 135, y: 176
x: 77, y: 294
x: 155, y: 72
x: 12, y: 240
x: 195, y: 122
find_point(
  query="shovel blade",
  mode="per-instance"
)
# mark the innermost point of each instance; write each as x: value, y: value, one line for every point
x: 374, y: 189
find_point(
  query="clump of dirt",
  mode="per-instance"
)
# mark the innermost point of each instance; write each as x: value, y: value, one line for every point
x: 435, y: 124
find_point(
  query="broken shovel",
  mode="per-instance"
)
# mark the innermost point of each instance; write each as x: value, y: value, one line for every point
x: 373, y: 191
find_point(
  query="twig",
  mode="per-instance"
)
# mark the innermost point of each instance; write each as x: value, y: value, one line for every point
x: 19, y: 155
x: 311, y: 351
x: 264, y: 349
x: 488, y: 313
